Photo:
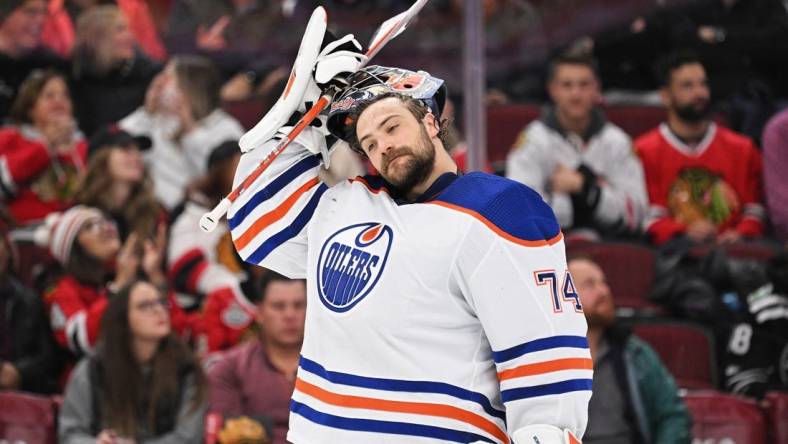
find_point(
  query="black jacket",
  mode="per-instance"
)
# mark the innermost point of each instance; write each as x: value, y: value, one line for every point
x: 26, y: 330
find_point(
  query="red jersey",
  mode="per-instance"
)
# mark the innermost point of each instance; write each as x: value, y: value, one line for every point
x: 75, y: 311
x: 719, y: 180
x: 33, y: 181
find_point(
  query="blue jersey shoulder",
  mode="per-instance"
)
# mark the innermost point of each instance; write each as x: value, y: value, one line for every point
x: 510, y: 206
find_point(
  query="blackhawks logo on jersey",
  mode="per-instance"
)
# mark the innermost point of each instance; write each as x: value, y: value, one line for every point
x: 350, y: 264
x: 700, y: 194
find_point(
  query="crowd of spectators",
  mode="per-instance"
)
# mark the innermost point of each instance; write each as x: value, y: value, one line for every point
x: 114, y: 143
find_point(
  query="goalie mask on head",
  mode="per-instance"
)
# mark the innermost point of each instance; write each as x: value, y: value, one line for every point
x: 369, y: 83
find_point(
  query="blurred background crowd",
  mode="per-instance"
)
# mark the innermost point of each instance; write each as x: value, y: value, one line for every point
x: 657, y: 130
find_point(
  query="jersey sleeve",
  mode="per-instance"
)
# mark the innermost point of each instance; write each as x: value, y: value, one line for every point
x: 512, y: 271
x: 751, y: 223
x: 75, y: 323
x: 623, y: 199
x: 20, y: 161
x: 269, y: 221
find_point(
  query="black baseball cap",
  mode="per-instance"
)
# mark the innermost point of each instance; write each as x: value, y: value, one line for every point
x: 113, y: 135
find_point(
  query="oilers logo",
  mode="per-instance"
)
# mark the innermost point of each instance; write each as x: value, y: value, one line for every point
x: 350, y: 264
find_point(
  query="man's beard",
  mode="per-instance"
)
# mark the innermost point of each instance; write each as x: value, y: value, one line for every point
x: 693, y: 112
x: 417, y: 167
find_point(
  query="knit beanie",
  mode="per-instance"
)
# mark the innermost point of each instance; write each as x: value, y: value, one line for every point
x: 60, y: 230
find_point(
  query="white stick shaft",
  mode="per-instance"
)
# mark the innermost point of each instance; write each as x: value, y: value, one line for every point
x: 209, y: 221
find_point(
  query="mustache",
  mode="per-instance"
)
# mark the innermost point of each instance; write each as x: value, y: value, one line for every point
x: 393, y: 154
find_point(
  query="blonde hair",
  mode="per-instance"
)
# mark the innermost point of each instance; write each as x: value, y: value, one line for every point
x: 93, y: 48
x: 198, y: 79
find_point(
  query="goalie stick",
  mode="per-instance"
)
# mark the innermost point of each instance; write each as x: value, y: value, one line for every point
x: 388, y: 30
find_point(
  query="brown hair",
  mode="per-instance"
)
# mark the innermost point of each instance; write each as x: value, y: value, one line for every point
x: 198, y: 79
x: 29, y: 92
x: 571, y: 59
x: 93, y: 51
x: 124, y: 395
x: 141, y: 212
x: 416, y: 107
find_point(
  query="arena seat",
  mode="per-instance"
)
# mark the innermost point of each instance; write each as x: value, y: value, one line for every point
x: 687, y: 350
x: 777, y: 415
x: 247, y: 112
x: 722, y: 418
x: 629, y: 269
x: 27, y: 418
x: 504, y: 123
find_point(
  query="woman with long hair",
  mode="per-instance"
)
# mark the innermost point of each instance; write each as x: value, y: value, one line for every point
x: 142, y: 385
x: 109, y: 75
x: 94, y: 263
x: 117, y: 182
x: 42, y: 154
x: 182, y: 117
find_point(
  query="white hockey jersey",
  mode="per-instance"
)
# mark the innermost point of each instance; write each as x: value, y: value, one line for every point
x: 450, y: 319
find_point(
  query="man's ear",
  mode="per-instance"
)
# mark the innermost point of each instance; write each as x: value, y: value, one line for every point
x: 664, y: 96
x: 431, y: 124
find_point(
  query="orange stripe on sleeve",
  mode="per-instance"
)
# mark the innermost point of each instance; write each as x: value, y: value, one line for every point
x: 498, y: 231
x: 417, y: 408
x: 277, y: 213
x: 540, y: 368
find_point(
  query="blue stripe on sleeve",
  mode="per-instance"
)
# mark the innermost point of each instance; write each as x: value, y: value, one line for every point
x: 539, y: 345
x: 396, y: 385
x: 378, y: 426
x: 272, y: 188
x: 290, y: 231
x: 556, y: 388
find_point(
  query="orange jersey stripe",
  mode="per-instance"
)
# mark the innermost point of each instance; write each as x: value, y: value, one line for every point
x: 540, y: 368
x: 498, y: 231
x: 273, y: 216
x: 417, y: 408
x: 363, y: 181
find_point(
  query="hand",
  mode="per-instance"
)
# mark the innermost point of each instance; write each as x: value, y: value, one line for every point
x: 708, y: 34
x: 237, y: 88
x: 701, y: 230
x: 9, y: 377
x: 152, y: 256
x: 153, y: 94
x: 566, y: 180
x: 106, y: 437
x: 729, y: 237
x: 212, y: 38
x: 59, y: 133
x: 127, y: 262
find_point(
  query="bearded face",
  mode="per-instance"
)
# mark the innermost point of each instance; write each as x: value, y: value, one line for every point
x: 687, y: 94
x: 407, y: 166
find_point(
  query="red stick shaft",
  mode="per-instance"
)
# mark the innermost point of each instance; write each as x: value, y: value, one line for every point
x: 310, y: 115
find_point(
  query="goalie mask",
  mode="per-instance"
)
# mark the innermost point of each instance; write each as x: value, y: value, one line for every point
x: 372, y: 82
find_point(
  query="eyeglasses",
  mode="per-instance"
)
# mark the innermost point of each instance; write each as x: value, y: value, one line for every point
x: 150, y: 306
x: 96, y: 225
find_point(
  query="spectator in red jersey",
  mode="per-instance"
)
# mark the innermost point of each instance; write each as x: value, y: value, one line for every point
x: 205, y: 265
x: 116, y: 182
x: 257, y: 378
x: 703, y: 180
x: 42, y: 156
x: 95, y: 264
